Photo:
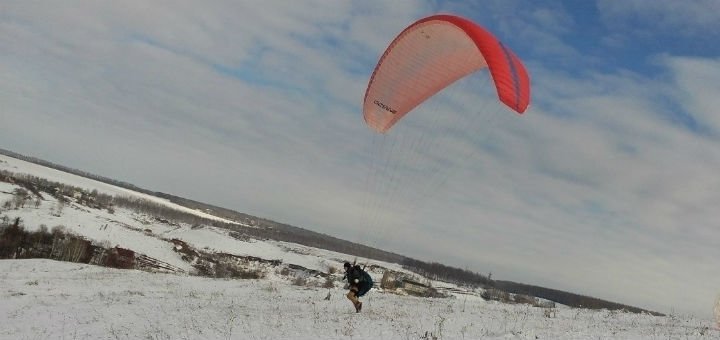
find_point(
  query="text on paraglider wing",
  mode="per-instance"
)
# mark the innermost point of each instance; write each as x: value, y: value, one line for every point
x: 385, y: 107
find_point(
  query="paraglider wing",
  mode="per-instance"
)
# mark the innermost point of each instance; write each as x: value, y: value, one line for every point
x: 431, y: 54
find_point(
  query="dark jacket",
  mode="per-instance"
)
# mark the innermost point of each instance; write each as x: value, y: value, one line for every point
x: 358, y: 277
x: 353, y: 274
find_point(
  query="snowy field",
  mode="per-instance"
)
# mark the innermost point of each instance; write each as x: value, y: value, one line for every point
x: 146, y: 235
x: 23, y: 167
x: 44, y: 299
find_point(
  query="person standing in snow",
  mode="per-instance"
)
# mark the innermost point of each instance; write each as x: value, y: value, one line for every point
x: 360, y: 283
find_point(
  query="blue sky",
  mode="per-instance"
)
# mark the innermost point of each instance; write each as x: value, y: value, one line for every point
x: 607, y: 186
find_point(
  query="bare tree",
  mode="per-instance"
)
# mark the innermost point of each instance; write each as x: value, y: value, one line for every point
x: 19, y: 197
x: 60, y: 205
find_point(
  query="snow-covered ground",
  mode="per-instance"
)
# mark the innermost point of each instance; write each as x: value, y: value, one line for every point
x: 23, y: 167
x: 44, y: 299
x: 146, y: 235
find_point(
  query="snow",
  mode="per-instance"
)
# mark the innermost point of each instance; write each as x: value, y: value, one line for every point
x: 126, y: 229
x: 23, y: 167
x: 50, y: 299
x: 98, y: 226
x: 59, y: 300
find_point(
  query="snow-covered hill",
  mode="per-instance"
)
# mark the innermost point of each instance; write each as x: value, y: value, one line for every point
x: 143, y: 233
x: 150, y: 235
x: 22, y: 167
x: 50, y: 299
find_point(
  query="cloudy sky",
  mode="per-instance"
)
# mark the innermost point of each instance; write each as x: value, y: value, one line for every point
x: 607, y: 186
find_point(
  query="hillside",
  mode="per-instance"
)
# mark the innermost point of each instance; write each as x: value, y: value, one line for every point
x: 162, y: 218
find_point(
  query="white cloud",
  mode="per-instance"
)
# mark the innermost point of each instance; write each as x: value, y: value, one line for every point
x: 698, y: 88
x: 683, y: 17
x: 146, y: 72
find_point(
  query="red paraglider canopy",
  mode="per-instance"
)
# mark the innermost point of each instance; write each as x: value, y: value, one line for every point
x: 431, y: 54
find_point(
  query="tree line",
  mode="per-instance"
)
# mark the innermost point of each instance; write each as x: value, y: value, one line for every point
x: 18, y: 243
x: 441, y: 272
x: 565, y: 298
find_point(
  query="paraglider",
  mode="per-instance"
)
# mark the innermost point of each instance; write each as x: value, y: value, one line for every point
x: 359, y: 282
x: 409, y: 162
x: 431, y: 54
